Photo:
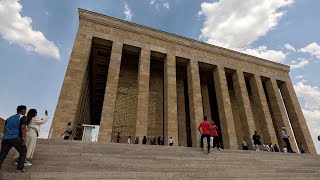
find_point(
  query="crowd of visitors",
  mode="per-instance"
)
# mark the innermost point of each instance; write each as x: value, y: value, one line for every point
x: 209, y: 133
x: 21, y: 132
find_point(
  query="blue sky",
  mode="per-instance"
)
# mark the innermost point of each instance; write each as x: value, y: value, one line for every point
x: 36, y: 39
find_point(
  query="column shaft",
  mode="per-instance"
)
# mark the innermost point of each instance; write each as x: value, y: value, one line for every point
x: 143, y: 93
x: 170, y: 100
x: 260, y: 101
x: 195, y: 100
x: 225, y: 110
x: 206, y: 100
x: 181, y: 111
x: 296, y: 117
x: 107, y: 116
x: 73, y: 85
x: 245, y: 111
x: 279, y: 113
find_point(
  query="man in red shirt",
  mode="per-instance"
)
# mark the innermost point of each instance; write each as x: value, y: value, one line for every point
x: 214, y: 135
x: 205, y: 131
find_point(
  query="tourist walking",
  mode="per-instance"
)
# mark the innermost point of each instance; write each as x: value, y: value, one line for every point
x: 144, y: 140
x: 32, y: 133
x: 68, y: 132
x: 171, y: 141
x: 204, y: 128
x: 256, y: 141
x: 15, y: 136
x: 285, y: 138
x: 214, y: 136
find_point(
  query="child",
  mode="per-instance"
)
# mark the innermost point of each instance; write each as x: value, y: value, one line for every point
x: 285, y: 150
x: 171, y: 141
x: 129, y: 140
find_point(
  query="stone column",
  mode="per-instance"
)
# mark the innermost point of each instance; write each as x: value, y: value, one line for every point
x: 143, y: 93
x: 261, y: 103
x: 181, y: 111
x: 73, y: 86
x: 107, y: 116
x: 279, y: 113
x: 170, y: 100
x: 245, y: 111
x: 225, y: 111
x: 296, y: 117
x: 206, y: 100
x: 195, y: 100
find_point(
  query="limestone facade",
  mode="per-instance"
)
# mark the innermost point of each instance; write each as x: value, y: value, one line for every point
x: 139, y: 81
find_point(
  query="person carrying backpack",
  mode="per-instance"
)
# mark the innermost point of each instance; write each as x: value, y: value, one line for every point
x: 68, y: 132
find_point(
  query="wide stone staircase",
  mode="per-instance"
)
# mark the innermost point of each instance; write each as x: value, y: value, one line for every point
x: 57, y: 159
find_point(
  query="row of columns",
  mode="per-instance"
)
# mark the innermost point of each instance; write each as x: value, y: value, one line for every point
x: 269, y: 129
x: 195, y: 101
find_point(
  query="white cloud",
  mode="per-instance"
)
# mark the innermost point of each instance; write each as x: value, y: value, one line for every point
x: 310, y: 94
x: 166, y: 5
x: 127, y: 12
x: 263, y: 52
x: 236, y: 24
x: 313, y: 49
x: 160, y: 3
x: 299, y: 77
x: 311, y: 108
x: 18, y: 30
x: 312, y: 119
x: 301, y: 63
x: 289, y: 47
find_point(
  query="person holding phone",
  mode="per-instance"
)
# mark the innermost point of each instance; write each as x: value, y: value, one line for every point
x: 33, y: 130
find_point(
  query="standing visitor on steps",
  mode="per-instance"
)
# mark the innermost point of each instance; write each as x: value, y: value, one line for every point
x: 68, y: 132
x: 129, y: 140
x: 204, y: 129
x: 137, y: 141
x: 144, y: 140
x: 118, y: 137
x: 244, y: 145
x: 285, y: 138
x: 170, y: 141
x: 256, y: 141
x: 33, y: 130
x: 275, y: 147
x: 214, y: 136
x: 15, y: 136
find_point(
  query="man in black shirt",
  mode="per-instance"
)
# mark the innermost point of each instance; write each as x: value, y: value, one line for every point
x: 256, y: 141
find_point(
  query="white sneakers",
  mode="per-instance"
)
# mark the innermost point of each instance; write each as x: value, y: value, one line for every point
x: 26, y: 164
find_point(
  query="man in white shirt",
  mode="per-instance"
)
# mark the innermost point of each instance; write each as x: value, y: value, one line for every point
x: 285, y: 138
